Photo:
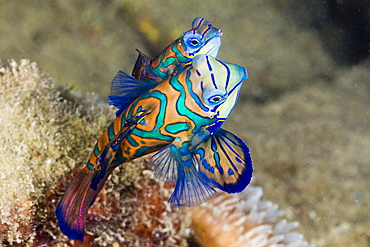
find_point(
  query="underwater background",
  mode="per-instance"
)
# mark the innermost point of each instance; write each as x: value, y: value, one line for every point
x: 303, y: 111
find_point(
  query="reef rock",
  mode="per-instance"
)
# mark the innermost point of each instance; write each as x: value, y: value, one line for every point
x: 46, y: 136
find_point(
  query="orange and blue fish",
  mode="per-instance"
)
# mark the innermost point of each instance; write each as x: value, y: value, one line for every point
x: 181, y: 119
x: 203, y: 38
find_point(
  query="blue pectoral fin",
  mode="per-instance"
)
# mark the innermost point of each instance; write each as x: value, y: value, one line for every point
x: 225, y: 161
x: 125, y: 89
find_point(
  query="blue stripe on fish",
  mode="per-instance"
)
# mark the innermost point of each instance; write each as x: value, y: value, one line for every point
x: 194, y: 152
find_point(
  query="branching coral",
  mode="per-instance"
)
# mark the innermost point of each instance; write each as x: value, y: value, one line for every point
x: 235, y: 220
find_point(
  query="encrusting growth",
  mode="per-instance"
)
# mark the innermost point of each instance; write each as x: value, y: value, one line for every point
x: 45, y: 133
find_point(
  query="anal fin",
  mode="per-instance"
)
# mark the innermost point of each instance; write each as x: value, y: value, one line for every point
x: 85, y: 187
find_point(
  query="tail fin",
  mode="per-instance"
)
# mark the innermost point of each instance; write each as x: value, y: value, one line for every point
x: 73, y: 206
x: 191, y: 189
x: 84, y: 188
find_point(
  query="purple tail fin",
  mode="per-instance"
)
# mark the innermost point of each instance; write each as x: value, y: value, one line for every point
x: 73, y: 206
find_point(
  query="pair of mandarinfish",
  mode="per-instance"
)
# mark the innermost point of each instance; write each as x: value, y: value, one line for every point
x: 175, y: 105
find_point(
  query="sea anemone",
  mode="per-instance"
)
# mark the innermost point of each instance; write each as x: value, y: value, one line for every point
x: 242, y: 219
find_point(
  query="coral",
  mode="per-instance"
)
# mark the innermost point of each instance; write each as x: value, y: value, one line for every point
x: 47, y: 132
x: 243, y: 220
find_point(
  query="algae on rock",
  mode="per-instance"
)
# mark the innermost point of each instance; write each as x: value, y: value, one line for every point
x: 45, y: 133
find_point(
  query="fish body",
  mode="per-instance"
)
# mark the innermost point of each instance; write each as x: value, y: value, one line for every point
x: 203, y: 38
x: 181, y: 118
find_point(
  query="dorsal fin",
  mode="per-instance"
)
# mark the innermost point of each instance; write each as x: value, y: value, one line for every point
x: 125, y: 89
x: 140, y: 67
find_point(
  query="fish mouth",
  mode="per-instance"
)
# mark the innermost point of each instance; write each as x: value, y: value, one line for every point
x: 227, y: 106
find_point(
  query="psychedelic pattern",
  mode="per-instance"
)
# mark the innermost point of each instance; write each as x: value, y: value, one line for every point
x: 174, y: 106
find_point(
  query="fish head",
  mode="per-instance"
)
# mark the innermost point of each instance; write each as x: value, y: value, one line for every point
x: 219, y: 84
x: 203, y: 38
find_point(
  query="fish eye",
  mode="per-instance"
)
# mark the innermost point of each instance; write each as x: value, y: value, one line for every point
x: 216, y: 99
x: 194, y: 42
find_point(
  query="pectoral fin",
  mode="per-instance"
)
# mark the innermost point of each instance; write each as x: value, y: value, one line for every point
x: 225, y: 161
